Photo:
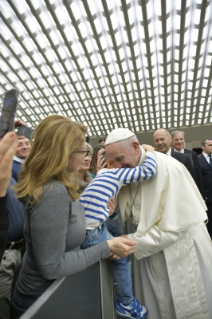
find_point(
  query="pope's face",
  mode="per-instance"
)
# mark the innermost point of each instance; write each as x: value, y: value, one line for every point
x: 124, y: 155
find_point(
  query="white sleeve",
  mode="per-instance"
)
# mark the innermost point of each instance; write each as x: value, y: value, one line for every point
x: 154, y: 241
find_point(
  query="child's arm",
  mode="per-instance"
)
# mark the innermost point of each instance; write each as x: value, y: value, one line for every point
x: 144, y: 171
x: 148, y: 148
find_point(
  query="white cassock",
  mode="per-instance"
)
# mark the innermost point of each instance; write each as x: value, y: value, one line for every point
x: 173, y: 264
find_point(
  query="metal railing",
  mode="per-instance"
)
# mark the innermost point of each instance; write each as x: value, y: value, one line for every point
x: 88, y: 294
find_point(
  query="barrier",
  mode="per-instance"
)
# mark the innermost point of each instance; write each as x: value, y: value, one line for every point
x: 88, y: 294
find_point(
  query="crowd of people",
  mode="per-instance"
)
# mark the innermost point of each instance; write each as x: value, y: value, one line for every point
x: 58, y: 199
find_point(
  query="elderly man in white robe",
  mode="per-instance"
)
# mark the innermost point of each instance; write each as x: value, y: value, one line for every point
x: 173, y: 260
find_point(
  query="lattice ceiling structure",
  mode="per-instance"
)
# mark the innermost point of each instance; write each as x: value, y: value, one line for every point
x: 109, y: 63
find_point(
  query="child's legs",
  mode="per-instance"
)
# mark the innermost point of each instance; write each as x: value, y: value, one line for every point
x: 113, y: 227
x: 123, y: 275
x: 121, y: 267
x: 96, y: 236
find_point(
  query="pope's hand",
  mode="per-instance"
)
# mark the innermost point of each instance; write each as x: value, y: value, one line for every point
x: 122, y: 246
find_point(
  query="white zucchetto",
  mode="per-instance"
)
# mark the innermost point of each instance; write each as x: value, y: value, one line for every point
x: 119, y: 134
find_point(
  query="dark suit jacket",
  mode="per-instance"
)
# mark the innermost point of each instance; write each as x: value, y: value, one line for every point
x: 185, y: 160
x: 206, y: 170
x: 197, y: 171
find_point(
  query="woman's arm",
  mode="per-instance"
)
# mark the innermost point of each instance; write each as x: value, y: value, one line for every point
x: 8, y: 147
x: 49, y: 220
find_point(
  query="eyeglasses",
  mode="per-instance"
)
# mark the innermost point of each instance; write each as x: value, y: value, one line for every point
x: 86, y: 152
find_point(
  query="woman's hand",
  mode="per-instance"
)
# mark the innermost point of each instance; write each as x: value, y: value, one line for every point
x: 101, y: 163
x: 18, y: 122
x: 8, y: 146
x: 111, y: 205
x: 122, y: 246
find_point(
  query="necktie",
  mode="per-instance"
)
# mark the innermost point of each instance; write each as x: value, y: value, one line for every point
x: 210, y: 160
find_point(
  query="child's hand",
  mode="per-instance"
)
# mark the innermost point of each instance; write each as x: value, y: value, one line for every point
x: 113, y: 257
x: 111, y: 205
x: 148, y: 148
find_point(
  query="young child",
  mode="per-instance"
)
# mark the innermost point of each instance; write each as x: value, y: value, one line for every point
x: 95, y: 201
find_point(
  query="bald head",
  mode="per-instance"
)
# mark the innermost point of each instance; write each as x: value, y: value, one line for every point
x: 162, y: 140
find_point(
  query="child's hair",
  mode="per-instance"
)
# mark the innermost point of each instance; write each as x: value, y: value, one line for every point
x: 110, y: 163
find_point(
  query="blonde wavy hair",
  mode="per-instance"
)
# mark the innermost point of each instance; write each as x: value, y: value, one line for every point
x: 54, y: 140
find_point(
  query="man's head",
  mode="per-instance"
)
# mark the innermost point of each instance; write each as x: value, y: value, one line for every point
x: 23, y: 147
x: 102, y: 141
x: 162, y: 140
x: 178, y: 140
x: 122, y: 147
x: 206, y: 146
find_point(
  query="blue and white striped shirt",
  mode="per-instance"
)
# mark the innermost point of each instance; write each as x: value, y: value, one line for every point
x: 107, y: 185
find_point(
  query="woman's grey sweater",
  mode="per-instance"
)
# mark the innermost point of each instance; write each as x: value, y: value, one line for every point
x: 54, y: 229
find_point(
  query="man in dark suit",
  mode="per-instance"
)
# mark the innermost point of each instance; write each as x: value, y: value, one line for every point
x: 162, y: 140
x: 205, y: 161
x: 178, y: 142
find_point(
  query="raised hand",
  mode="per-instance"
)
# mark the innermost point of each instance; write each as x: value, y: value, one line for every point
x: 8, y: 146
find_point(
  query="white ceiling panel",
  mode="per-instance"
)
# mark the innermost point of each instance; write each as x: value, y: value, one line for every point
x: 110, y: 63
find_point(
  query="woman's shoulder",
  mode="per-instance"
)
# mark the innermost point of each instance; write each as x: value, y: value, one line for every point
x: 54, y: 187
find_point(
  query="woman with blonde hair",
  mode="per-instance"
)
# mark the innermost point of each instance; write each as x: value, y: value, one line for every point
x: 54, y: 221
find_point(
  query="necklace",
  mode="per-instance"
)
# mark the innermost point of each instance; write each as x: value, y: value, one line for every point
x: 136, y: 193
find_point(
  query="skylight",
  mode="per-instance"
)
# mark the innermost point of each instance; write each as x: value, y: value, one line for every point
x: 108, y: 62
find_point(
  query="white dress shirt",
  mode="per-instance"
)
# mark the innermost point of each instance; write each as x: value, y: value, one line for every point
x: 169, y: 152
x: 182, y: 151
x: 207, y: 157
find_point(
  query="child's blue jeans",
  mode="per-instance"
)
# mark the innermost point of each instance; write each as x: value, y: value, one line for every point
x: 121, y: 267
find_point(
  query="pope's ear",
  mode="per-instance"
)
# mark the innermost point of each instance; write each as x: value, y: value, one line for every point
x: 136, y: 147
